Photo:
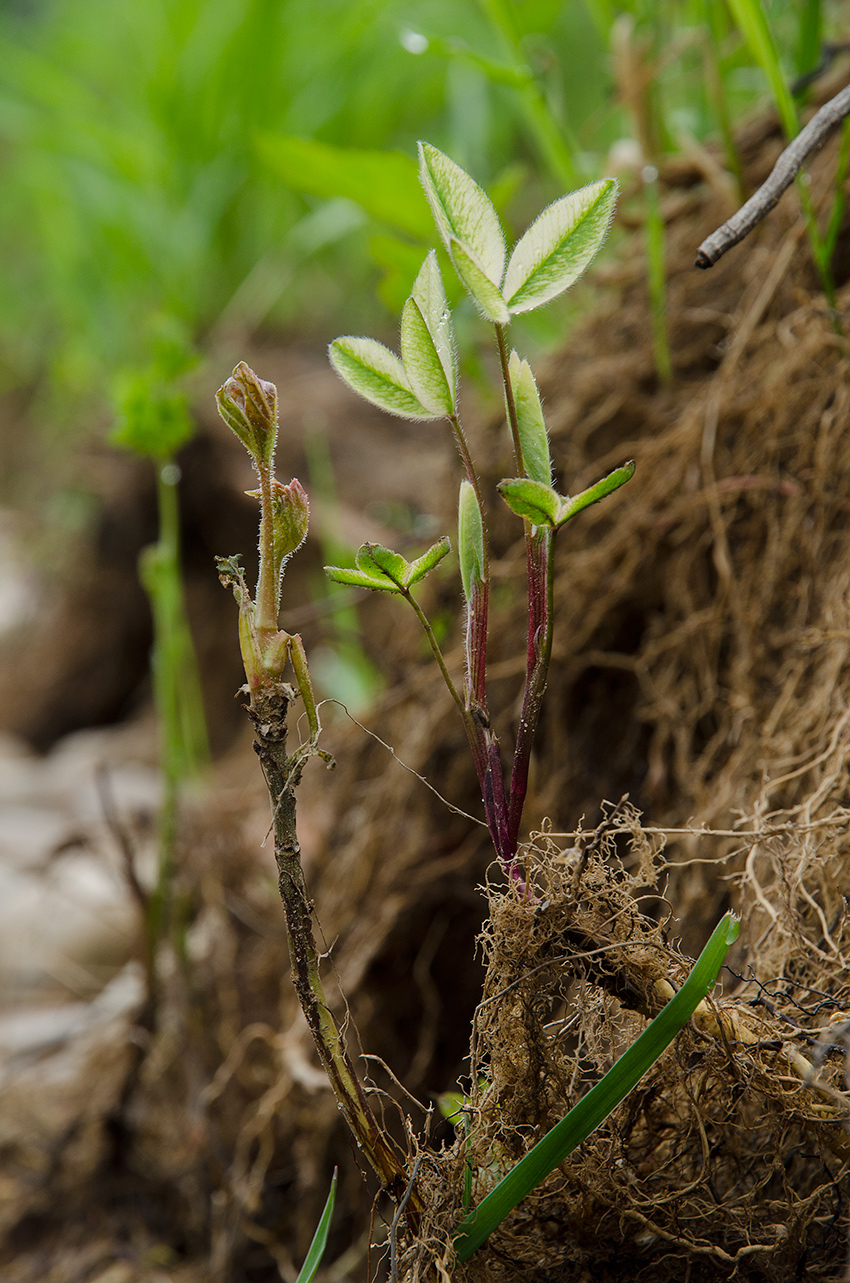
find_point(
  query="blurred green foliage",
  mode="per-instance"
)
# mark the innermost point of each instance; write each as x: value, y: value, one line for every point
x: 150, y: 166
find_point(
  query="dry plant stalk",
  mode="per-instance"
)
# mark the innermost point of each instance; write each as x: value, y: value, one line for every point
x: 249, y: 406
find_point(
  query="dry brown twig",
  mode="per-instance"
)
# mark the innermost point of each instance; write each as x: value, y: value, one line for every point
x: 789, y: 164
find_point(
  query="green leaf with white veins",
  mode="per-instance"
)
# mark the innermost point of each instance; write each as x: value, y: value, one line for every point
x: 559, y: 245
x: 430, y: 296
x: 463, y: 211
x: 375, y: 373
x: 486, y: 296
x: 422, y: 363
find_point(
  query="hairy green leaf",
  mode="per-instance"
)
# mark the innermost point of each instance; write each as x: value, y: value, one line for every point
x: 559, y: 245
x: 377, y: 374
x: 531, y: 427
x: 360, y: 579
x: 426, y: 563
x: 615, y: 479
x: 595, y: 1107
x: 430, y: 296
x: 470, y: 540
x: 463, y: 211
x: 486, y: 296
x: 374, y: 556
x: 422, y: 363
x: 534, y: 500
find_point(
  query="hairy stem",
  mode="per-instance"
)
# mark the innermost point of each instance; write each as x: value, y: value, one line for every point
x: 267, y: 588
x: 541, y: 551
x: 501, y: 343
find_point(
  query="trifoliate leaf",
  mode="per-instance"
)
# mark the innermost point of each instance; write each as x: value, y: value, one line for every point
x: 422, y: 363
x: 376, y: 373
x: 426, y: 563
x: 463, y: 211
x: 470, y: 540
x: 486, y: 296
x: 533, y: 500
x: 559, y: 245
x: 531, y: 427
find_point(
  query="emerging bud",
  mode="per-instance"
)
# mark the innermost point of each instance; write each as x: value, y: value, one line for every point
x: 248, y: 405
x: 290, y: 518
x: 531, y: 427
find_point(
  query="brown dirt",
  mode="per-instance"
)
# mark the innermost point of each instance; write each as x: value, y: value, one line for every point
x: 701, y: 666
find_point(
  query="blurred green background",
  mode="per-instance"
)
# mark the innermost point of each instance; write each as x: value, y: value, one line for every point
x: 149, y: 169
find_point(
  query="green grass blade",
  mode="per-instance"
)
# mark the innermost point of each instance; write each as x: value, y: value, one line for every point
x: 809, y: 37
x: 836, y: 216
x: 595, y: 1107
x: 750, y: 18
x: 320, y: 1238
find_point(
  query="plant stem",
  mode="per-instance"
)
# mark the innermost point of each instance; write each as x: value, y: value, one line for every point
x: 438, y: 654
x: 501, y: 343
x: 267, y: 586
x: 475, y: 684
x: 541, y: 557
x: 177, y: 694
x: 268, y: 710
x: 539, y: 551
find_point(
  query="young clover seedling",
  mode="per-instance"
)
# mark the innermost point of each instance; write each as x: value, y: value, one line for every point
x: 422, y: 384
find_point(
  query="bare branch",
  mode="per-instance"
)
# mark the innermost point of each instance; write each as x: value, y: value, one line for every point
x: 780, y: 178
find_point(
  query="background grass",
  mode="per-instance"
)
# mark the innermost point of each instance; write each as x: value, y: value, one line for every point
x: 143, y: 183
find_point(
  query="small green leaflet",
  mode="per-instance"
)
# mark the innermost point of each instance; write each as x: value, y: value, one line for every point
x: 470, y: 540
x: 558, y: 246
x: 463, y: 211
x: 383, y: 570
x: 375, y: 373
x: 531, y: 427
x: 427, y: 341
x: 531, y: 500
x: 422, y: 363
x: 486, y: 296
x: 543, y: 506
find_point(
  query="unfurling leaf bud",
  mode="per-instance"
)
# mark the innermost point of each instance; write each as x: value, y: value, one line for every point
x: 290, y: 518
x: 248, y: 405
x: 470, y: 541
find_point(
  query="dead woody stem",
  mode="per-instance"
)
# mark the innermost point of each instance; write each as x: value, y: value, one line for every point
x: 282, y: 772
x: 248, y: 405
